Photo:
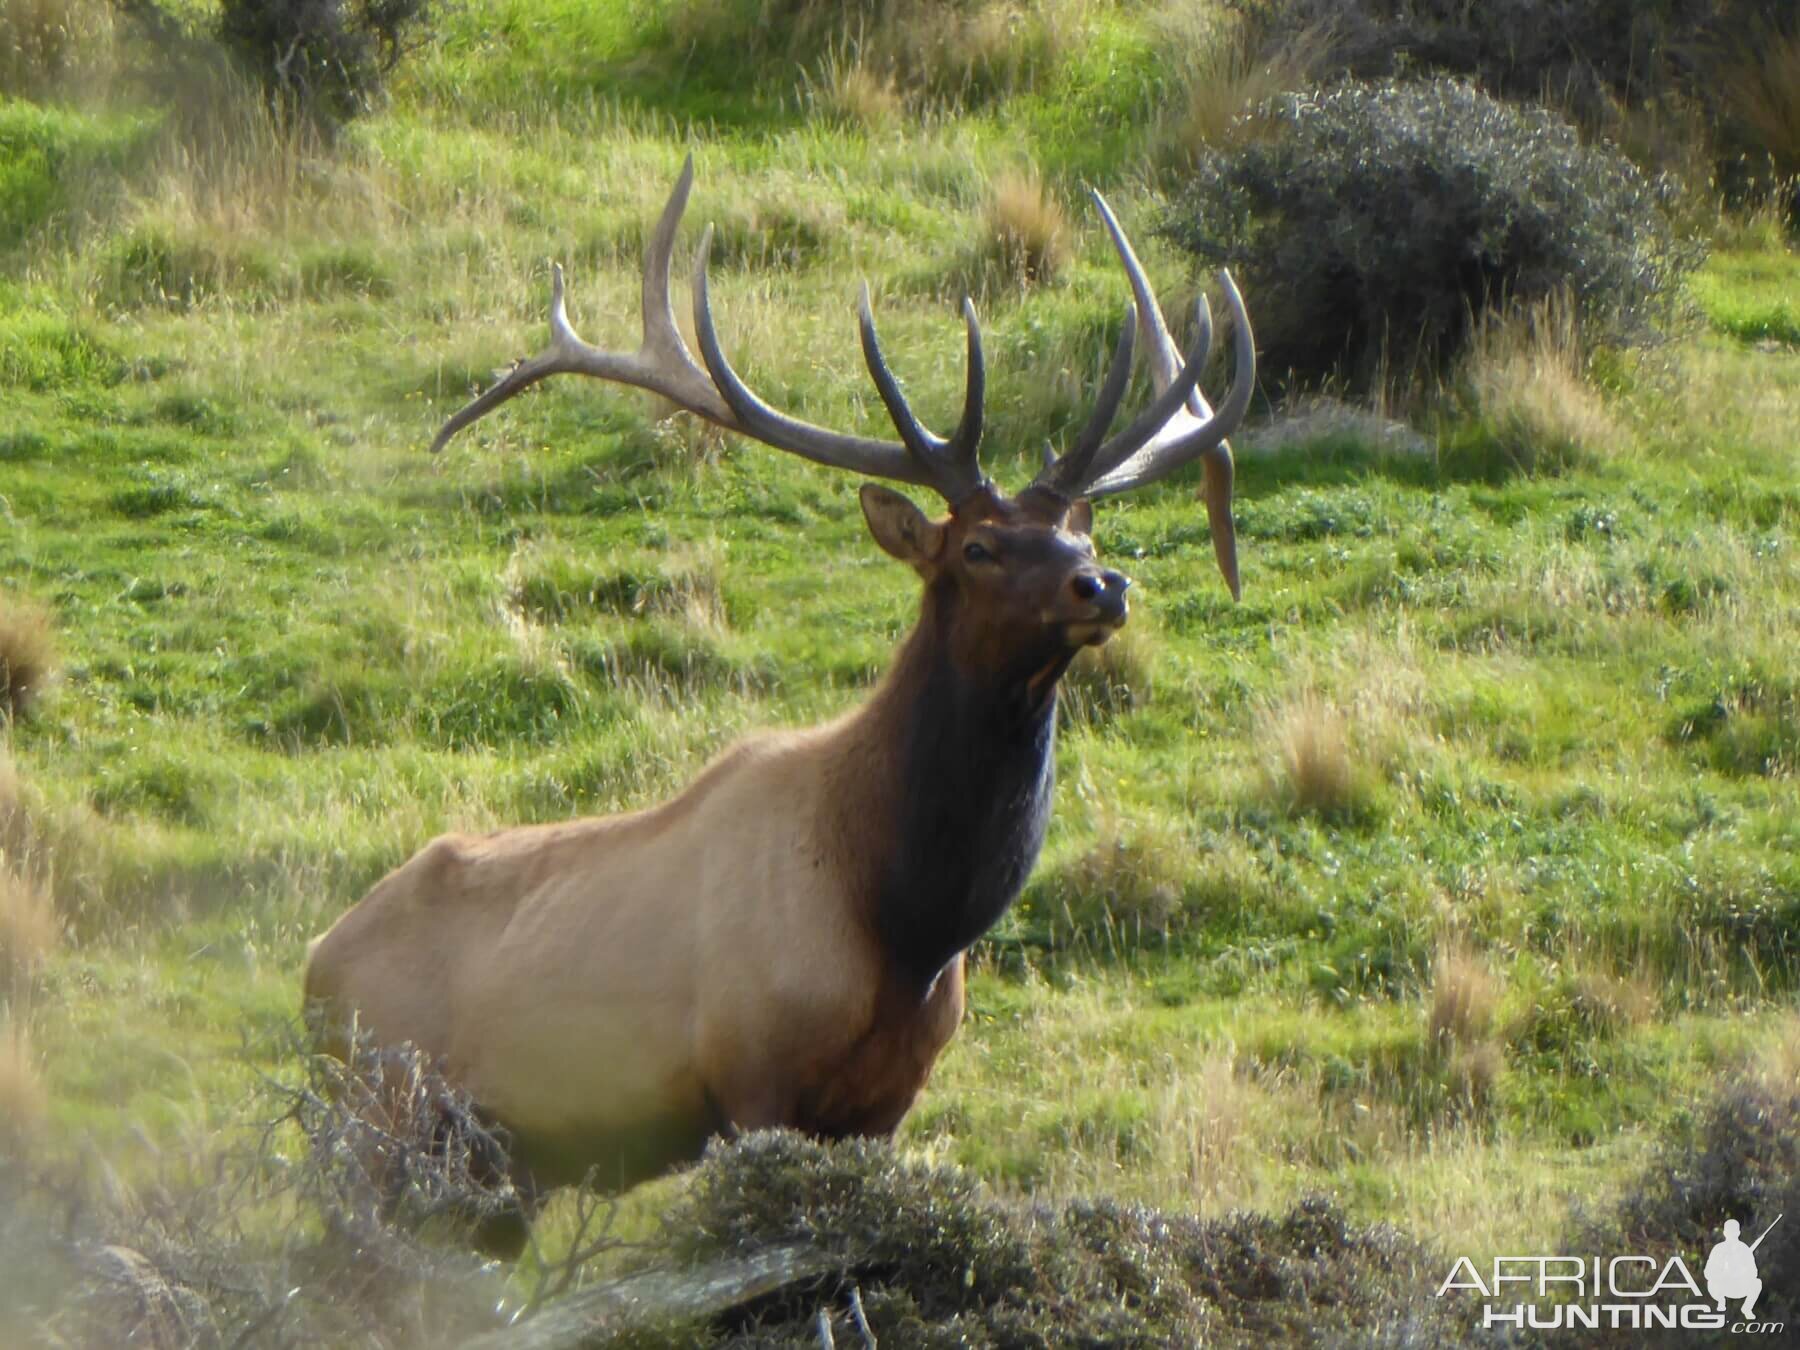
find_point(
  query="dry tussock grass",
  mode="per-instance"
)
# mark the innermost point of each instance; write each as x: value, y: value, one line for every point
x: 921, y: 54
x: 1464, y: 1002
x: 1027, y: 235
x: 64, y: 48
x: 1615, y: 1002
x: 1313, y: 766
x: 849, y: 90
x: 1778, y: 1065
x: 1228, y: 71
x: 1389, y: 697
x: 1130, y: 884
x: 1464, y: 996
x: 28, y: 928
x: 1212, y: 1114
x: 1103, y: 682
x: 956, y: 55
x: 27, y: 655
x: 23, y: 1099
x: 1526, y: 377
x: 15, y: 821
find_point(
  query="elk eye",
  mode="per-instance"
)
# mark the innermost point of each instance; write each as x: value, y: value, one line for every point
x: 975, y: 553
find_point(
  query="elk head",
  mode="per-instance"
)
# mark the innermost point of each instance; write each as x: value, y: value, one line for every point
x: 1021, y: 568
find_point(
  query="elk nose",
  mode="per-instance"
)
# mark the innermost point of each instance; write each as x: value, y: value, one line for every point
x: 1105, y: 591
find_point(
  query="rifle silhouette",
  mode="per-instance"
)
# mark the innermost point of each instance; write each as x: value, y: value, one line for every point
x: 1767, y: 1231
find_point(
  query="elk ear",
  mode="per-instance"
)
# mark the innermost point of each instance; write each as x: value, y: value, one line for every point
x: 1080, y: 519
x: 900, y: 527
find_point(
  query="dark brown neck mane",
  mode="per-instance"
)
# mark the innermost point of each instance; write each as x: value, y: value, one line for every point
x: 952, y: 794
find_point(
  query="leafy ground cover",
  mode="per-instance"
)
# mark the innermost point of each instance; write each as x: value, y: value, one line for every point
x: 1440, y: 874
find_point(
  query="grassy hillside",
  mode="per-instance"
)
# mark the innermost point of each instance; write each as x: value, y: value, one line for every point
x: 1439, y: 874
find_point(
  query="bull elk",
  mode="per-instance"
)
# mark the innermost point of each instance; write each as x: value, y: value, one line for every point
x: 782, y: 943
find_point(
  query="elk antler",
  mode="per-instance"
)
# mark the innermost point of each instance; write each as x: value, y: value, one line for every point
x: 1178, y: 427
x: 663, y: 364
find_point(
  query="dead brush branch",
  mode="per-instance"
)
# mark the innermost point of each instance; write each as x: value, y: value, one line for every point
x: 393, y: 1144
x: 344, y: 1241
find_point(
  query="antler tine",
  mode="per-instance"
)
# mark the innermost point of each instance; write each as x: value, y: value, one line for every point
x: 1116, y: 451
x: 952, y: 464
x: 1193, y: 431
x: 1188, y: 438
x: 878, y: 459
x: 1165, y: 362
x: 1063, y: 476
x: 965, y: 441
x: 662, y: 362
x: 1139, y: 433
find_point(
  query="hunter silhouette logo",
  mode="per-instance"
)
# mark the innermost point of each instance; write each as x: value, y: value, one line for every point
x: 1731, y: 1269
x: 1627, y: 1291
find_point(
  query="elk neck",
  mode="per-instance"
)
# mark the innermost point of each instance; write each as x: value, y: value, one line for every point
x: 948, y: 790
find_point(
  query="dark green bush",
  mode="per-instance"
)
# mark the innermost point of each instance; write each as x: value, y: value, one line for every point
x: 1373, y: 222
x: 1740, y: 1159
x: 321, y: 60
x: 1672, y: 80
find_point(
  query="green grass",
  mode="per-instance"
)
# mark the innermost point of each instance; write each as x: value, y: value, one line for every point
x: 295, y: 647
x: 1753, y: 296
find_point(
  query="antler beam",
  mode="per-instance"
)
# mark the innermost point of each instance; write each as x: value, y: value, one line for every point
x: 664, y: 365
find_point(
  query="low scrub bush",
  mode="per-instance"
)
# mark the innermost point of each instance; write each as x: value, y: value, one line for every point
x: 358, y: 1240
x: 332, y: 1246
x: 322, y: 60
x: 1740, y: 1160
x: 941, y: 1261
x: 1715, y: 76
x: 1375, y: 222
x: 317, y: 63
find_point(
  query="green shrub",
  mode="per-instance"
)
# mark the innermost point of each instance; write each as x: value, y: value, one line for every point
x: 941, y: 1261
x: 317, y: 62
x: 322, y: 59
x: 1718, y: 73
x: 1739, y: 1160
x: 1376, y: 221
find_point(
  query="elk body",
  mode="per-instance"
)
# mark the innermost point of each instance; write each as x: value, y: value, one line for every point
x: 782, y: 942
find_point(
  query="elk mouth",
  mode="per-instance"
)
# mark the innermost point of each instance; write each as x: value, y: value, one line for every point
x: 1096, y: 629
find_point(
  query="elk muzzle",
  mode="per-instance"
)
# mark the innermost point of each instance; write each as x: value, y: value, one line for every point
x: 1094, y: 605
